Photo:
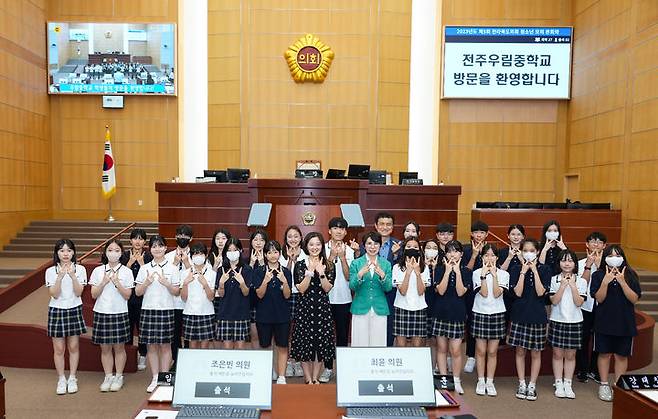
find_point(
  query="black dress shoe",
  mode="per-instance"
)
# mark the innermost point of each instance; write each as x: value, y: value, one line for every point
x: 582, y: 377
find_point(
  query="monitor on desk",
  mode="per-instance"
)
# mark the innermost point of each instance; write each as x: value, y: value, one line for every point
x: 336, y: 174
x: 358, y: 171
x: 237, y: 175
x: 406, y: 175
x: 238, y: 378
x: 373, y: 376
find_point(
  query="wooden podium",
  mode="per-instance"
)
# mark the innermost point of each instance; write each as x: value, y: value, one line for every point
x: 208, y: 206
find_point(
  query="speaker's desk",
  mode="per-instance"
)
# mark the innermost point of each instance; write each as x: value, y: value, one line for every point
x: 628, y: 404
x: 304, y: 401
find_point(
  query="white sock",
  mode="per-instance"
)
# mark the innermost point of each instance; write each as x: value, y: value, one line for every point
x: 522, y: 382
x: 567, y: 381
x: 531, y: 385
x: 558, y: 381
x: 62, y: 377
x: 480, y: 379
x: 155, y: 377
x: 72, y: 376
x: 489, y: 380
x: 108, y: 375
x: 604, y: 383
x: 457, y: 380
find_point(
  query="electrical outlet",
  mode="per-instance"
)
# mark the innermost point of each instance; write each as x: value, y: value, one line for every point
x: 140, y: 202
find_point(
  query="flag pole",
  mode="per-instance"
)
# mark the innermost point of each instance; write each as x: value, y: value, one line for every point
x: 110, y: 218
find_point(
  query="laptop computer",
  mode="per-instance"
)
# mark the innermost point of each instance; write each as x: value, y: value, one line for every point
x: 213, y: 383
x: 358, y: 171
x: 387, y: 383
x: 336, y: 174
x: 406, y: 175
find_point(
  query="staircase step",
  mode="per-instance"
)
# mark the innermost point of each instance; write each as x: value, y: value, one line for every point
x: 95, y: 235
x: 648, y: 286
x: 28, y: 247
x: 120, y: 224
x: 8, y: 279
x: 647, y: 305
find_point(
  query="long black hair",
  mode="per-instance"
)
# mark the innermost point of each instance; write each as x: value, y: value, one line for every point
x: 630, y: 275
x: 544, y: 229
x: 214, y: 250
x: 402, y: 259
x: 238, y: 244
x: 284, y: 248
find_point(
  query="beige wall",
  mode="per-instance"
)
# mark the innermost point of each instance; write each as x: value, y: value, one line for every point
x: 24, y: 136
x: 144, y: 133
x: 613, y: 116
x: 260, y: 118
x: 503, y: 150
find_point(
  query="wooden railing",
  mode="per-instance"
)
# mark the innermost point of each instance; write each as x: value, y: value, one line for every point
x: 91, y: 252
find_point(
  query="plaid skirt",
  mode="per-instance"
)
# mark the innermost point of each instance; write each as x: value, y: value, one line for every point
x: 232, y: 330
x: 111, y: 329
x: 252, y: 315
x: 198, y: 327
x: 565, y: 335
x: 488, y: 326
x: 156, y: 326
x: 430, y: 326
x: 528, y: 336
x: 448, y: 329
x: 410, y: 323
x: 64, y: 322
x: 293, y: 305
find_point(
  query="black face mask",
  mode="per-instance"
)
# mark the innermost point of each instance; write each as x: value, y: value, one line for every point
x: 412, y: 253
x: 182, y: 243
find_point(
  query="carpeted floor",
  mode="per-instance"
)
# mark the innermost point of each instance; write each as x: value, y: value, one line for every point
x: 30, y: 393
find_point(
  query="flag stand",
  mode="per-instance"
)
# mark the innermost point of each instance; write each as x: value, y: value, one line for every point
x: 110, y: 218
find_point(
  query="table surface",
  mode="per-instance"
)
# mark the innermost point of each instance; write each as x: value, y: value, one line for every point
x: 292, y: 401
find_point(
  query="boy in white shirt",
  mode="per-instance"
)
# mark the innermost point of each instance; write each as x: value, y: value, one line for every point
x: 180, y: 258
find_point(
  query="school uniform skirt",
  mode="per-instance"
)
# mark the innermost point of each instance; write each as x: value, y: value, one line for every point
x: 528, y: 336
x: 409, y: 323
x: 156, y: 326
x: 565, y: 335
x: 448, y: 329
x: 232, y: 330
x: 488, y: 326
x: 111, y: 329
x: 64, y: 322
x: 198, y: 327
x: 294, y: 297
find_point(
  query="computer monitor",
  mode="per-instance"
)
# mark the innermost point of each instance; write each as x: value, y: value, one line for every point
x: 407, y: 175
x: 219, y: 175
x: 238, y: 378
x: 384, y: 376
x: 377, y: 177
x: 336, y: 174
x: 237, y: 175
x: 358, y: 171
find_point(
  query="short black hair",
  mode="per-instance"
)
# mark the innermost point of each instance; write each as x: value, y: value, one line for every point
x: 138, y: 232
x: 184, y: 229
x: 516, y: 227
x: 157, y: 239
x: 487, y: 247
x: 59, y: 244
x: 272, y: 244
x: 338, y: 222
x: 384, y: 214
x: 198, y: 247
x: 563, y: 256
x: 455, y: 245
x: 374, y: 236
x: 597, y: 235
x: 479, y: 225
x: 445, y: 228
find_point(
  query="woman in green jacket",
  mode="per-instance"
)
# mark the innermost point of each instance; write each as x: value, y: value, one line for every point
x: 370, y: 279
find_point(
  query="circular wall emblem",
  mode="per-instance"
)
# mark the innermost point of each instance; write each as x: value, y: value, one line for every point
x: 309, y: 59
x: 308, y: 218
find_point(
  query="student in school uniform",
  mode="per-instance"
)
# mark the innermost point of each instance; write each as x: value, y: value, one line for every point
x: 550, y: 245
x: 616, y: 287
x: 313, y: 340
x: 291, y: 253
x: 65, y: 281
x: 432, y: 255
x: 473, y: 260
x: 340, y: 296
x: 272, y: 283
x: 489, y: 286
x: 137, y: 256
x: 411, y: 277
x: 198, y: 291
x: 220, y: 236
x: 411, y: 229
x: 370, y: 279
x: 445, y: 232
x: 111, y: 287
x: 180, y: 258
x: 158, y: 281
x: 511, y: 256
x: 452, y: 282
x: 567, y: 293
x: 255, y: 259
x: 586, y: 357
x: 529, y: 282
x: 233, y: 288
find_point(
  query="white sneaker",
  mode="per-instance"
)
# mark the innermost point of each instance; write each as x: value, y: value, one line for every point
x: 470, y: 365
x: 449, y: 364
x: 61, y: 386
x: 298, y: 371
x: 491, y: 389
x: 480, y: 388
x: 107, y: 382
x: 141, y: 363
x: 568, y: 391
x: 274, y: 375
x: 153, y: 385
x: 290, y: 371
x: 458, y: 387
x: 559, y: 389
x: 72, y: 385
x: 281, y: 380
x: 325, y: 377
x: 605, y: 392
x: 117, y: 383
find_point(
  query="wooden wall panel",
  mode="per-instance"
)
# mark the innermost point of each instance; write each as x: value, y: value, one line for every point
x: 612, y: 117
x: 25, y: 162
x: 144, y: 133
x: 261, y: 119
x: 503, y: 150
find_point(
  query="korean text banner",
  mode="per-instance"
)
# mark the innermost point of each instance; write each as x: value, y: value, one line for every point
x: 507, y: 62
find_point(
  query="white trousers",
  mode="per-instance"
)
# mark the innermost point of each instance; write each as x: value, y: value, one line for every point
x: 368, y: 329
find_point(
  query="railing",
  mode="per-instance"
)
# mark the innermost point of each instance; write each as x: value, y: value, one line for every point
x: 91, y: 252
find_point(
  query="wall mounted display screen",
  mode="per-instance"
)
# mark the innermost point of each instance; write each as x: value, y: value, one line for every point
x: 111, y: 58
x: 488, y: 62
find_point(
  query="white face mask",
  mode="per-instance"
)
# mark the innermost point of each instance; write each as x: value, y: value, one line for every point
x: 198, y: 259
x: 552, y: 235
x: 233, y: 255
x: 113, y: 257
x: 529, y: 256
x: 614, y: 261
x: 431, y: 253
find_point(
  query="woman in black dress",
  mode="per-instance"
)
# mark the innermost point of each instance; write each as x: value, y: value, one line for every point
x: 313, y: 341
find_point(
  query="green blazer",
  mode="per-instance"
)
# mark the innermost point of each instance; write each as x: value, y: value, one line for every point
x: 369, y: 291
